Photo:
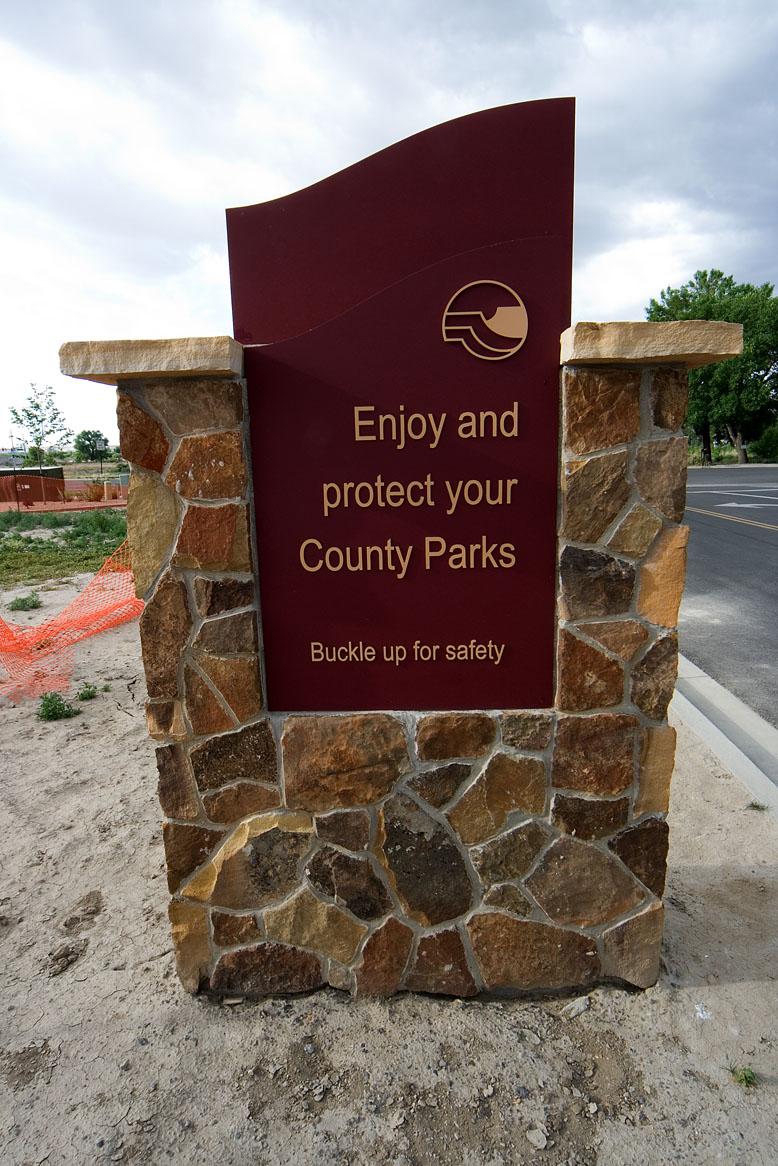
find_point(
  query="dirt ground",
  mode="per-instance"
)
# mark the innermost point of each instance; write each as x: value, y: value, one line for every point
x: 104, y: 1058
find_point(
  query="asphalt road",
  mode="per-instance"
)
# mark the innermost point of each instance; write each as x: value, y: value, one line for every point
x: 729, y: 616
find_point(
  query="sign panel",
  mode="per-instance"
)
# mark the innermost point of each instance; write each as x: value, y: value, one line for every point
x: 403, y: 321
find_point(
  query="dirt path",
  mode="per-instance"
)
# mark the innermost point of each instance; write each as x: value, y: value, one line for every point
x: 103, y: 1058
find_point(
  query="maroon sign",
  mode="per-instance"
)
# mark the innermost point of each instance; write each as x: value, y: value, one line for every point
x: 403, y: 321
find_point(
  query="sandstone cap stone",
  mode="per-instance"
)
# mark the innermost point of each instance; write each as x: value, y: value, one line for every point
x: 692, y: 343
x: 111, y: 361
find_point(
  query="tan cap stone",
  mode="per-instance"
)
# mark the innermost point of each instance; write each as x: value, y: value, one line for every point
x: 692, y: 343
x: 111, y: 361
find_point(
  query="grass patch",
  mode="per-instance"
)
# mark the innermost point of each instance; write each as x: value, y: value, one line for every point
x: 83, y: 540
x: 743, y: 1075
x: 54, y: 707
x: 756, y: 806
x: 26, y: 602
x: 87, y: 692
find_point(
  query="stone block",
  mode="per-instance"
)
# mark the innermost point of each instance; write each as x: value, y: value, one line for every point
x: 653, y: 677
x: 595, y: 491
x: 601, y: 408
x: 507, y: 897
x: 635, y: 533
x: 594, y: 584
x: 691, y: 343
x: 442, y: 736
x: 264, y: 869
x: 595, y: 754
x: 643, y: 848
x: 577, y: 883
x: 165, y: 720
x: 660, y: 474
x: 210, y: 466
x: 234, y: 802
x: 247, y: 755
x: 237, y: 679
x: 176, y: 788
x: 141, y: 439
x: 214, y: 596
x: 588, y: 818
x: 623, y: 637
x: 215, y: 538
x: 186, y: 848
x: 305, y: 921
x: 112, y: 361
x: 669, y: 397
x: 384, y: 959
x: 661, y: 580
x: 656, y: 770
x: 347, y: 828
x: 330, y: 762
x: 200, y: 403
x: 152, y: 521
x: 192, y: 950
x: 230, y: 635
x: 350, y: 881
x: 438, y: 786
x: 631, y: 950
x: 203, y: 708
x: 527, y: 729
x: 510, y: 855
x: 256, y: 863
x: 586, y: 677
x: 440, y: 966
x: 234, y: 930
x: 265, y: 970
x: 521, y: 955
x: 424, y: 863
x: 165, y: 625
x: 507, y: 785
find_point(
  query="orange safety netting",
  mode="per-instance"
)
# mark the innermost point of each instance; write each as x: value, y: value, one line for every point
x: 40, y: 659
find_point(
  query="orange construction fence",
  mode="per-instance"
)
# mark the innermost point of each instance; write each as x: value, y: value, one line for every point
x: 39, y: 659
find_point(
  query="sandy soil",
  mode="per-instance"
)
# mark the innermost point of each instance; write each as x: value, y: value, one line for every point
x: 103, y: 1058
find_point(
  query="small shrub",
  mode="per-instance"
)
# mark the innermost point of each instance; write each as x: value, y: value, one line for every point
x: 756, y: 806
x: 765, y: 448
x: 25, y: 602
x: 106, y: 688
x: 87, y: 692
x: 744, y: 1075
x: 54, y: 707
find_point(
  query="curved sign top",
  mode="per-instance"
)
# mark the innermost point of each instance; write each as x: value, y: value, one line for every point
x: 488, y: 178
x: 401, y: 322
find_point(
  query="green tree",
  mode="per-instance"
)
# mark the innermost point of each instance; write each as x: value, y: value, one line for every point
x: 42, y: 421
x: 737, y: 398
x: 85, y: 444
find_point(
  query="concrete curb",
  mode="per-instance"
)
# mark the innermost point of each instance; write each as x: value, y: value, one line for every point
x: 742, y: 741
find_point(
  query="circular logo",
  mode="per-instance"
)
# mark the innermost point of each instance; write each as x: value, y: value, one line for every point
x: 488, y: 318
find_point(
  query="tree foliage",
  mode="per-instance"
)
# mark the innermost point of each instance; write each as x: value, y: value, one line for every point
x: 85, y: 444
x: 41, y: 421
x: 737, y: 398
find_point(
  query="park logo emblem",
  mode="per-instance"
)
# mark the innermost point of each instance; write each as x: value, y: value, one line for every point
x: 488, y: 318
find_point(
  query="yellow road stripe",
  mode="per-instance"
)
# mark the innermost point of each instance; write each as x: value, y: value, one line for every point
x: 732, y: 518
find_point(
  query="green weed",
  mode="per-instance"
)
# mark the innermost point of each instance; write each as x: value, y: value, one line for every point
x: 54, y: 707
x: 87, y: 692
x: 756, y: 806
x: 743, y: 1075
x: 26, y: 602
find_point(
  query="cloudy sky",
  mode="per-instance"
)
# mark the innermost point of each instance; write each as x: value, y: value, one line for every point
x: 127, y: 126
